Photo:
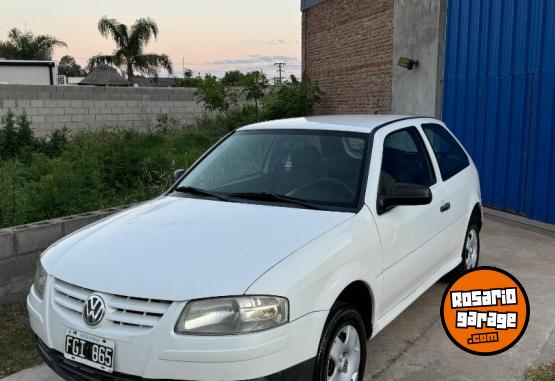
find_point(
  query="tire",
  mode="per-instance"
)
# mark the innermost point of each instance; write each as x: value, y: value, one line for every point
x: 470, y: 257
x: 343, y: 331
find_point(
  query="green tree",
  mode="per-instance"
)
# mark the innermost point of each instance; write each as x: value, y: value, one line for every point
x: 233, y: 78
x: 130, y: 47
x: 292, y: 99
x: 26, y: 46
x: 215, y: 96
x: 25, y: 136
x: 8, y: 136
x: 70, y: 68
x: 16, y: 136
x: 254, y: 85
x: 188, y: 80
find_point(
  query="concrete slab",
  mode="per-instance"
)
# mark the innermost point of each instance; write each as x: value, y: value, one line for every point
x: 38, y: 373
x: 414, y: 346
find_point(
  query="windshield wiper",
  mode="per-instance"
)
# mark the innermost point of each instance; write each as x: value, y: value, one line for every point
x: 265, y: 196
x: 201, y: 192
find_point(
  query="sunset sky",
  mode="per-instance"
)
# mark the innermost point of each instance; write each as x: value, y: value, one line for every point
x: 210, y: 35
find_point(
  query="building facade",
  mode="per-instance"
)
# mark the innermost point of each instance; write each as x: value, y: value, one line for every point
x: 486, y: 67
x: 19, y: 72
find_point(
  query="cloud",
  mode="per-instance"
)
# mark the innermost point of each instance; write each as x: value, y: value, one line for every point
x: 279, y: 41
x: 256, y: 59
x: 264, y: 63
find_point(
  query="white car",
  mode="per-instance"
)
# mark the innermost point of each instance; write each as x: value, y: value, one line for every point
x: 274, y: 257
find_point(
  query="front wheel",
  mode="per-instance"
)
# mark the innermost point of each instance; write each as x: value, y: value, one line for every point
x: 342, y: 351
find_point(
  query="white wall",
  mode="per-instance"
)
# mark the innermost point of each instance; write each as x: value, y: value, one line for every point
x: 52, y: 108
x: 418, y: 34
x: 26, y: 75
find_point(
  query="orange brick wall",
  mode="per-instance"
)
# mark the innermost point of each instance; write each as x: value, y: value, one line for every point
x: 348, y: 51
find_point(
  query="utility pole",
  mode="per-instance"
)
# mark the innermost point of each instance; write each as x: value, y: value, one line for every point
x: 280, y: 66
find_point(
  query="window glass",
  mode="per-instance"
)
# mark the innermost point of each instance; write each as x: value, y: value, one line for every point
x: 233, y: 162
x: 405, y: 160
x: 321, y: 167
x: 450, y: 156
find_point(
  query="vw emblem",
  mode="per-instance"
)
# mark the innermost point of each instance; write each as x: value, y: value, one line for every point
x: 94, y: 310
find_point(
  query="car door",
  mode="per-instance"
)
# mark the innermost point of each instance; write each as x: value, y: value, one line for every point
x: 415, y: 239
x: 456, y: 174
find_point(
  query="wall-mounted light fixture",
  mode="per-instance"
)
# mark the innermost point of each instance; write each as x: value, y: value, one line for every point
x: 408, y: 63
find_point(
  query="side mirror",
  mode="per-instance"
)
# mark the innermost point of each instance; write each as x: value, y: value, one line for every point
x: 404, y: 194
x: 178, y: 173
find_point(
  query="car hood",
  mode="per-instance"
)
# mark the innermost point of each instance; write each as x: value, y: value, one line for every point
x: 177, y: 248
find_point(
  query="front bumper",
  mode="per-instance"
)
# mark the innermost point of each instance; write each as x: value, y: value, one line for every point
x: 160, y: 354
x: 71, y: 371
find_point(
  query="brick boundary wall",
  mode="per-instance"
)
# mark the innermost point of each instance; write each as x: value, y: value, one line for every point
x: 20, y: 247
x: 82, y: 107
x: 348, y: 51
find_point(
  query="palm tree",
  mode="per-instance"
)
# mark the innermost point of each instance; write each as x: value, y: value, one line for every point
x: 26, y: 46
x: 131, y: 43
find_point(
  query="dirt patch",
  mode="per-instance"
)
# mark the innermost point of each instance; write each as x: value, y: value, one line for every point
x: 543, y: 372
x: 17, y: 341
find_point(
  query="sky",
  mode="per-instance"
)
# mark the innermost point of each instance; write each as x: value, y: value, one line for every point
x: 207, y: 35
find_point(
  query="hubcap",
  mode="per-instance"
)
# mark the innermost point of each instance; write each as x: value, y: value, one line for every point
x: 471, y: 247
x: 344, y: 358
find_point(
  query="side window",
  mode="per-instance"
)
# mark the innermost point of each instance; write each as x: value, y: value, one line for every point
x: 405, y: 160
x: 450, y: 156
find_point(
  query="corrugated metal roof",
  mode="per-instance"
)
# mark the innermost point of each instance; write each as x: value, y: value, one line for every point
x: 305, y: 4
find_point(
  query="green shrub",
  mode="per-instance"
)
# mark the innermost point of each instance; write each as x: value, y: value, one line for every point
x: 64, y: 174
x: 215, y: 96
x: 14, y: 203
x: 53, y: 145
x: 9, y: 147
x: 291, y: 99
x: 69, y: 174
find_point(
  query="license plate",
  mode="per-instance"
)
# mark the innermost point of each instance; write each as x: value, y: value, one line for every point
x: 90, y: 350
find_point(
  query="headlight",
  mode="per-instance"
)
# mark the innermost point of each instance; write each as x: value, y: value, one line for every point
x: 230, y: 316
x: 40, y: 279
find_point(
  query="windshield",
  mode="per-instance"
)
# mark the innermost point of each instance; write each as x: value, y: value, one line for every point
x: 321, y: 169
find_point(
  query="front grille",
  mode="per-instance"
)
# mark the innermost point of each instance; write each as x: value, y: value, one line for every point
x: 122, y: 311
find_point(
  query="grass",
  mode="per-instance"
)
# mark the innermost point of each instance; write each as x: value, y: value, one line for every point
x: 96, y: 170
x: 543, y: 372
x: 17, y: 342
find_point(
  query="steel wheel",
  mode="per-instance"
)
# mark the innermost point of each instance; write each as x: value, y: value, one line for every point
x: 471, y: 247
x: 345, y: 356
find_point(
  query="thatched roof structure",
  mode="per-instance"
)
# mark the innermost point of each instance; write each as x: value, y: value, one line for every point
x: 104, y: 75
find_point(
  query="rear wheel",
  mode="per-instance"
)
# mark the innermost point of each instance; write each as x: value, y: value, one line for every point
x: 342, y: 351
x: 471, y: 250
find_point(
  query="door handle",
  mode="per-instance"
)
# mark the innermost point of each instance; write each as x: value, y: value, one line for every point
x: 445, y: 207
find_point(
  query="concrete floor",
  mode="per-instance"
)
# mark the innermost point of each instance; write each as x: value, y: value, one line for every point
x: 415, y: 347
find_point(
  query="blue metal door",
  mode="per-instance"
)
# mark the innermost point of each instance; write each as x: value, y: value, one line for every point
x: 499, y: 92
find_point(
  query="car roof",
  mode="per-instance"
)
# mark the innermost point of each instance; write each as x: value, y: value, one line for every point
x: 353, y: 123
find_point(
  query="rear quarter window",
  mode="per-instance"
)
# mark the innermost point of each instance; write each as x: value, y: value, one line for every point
x: 450, y: 156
